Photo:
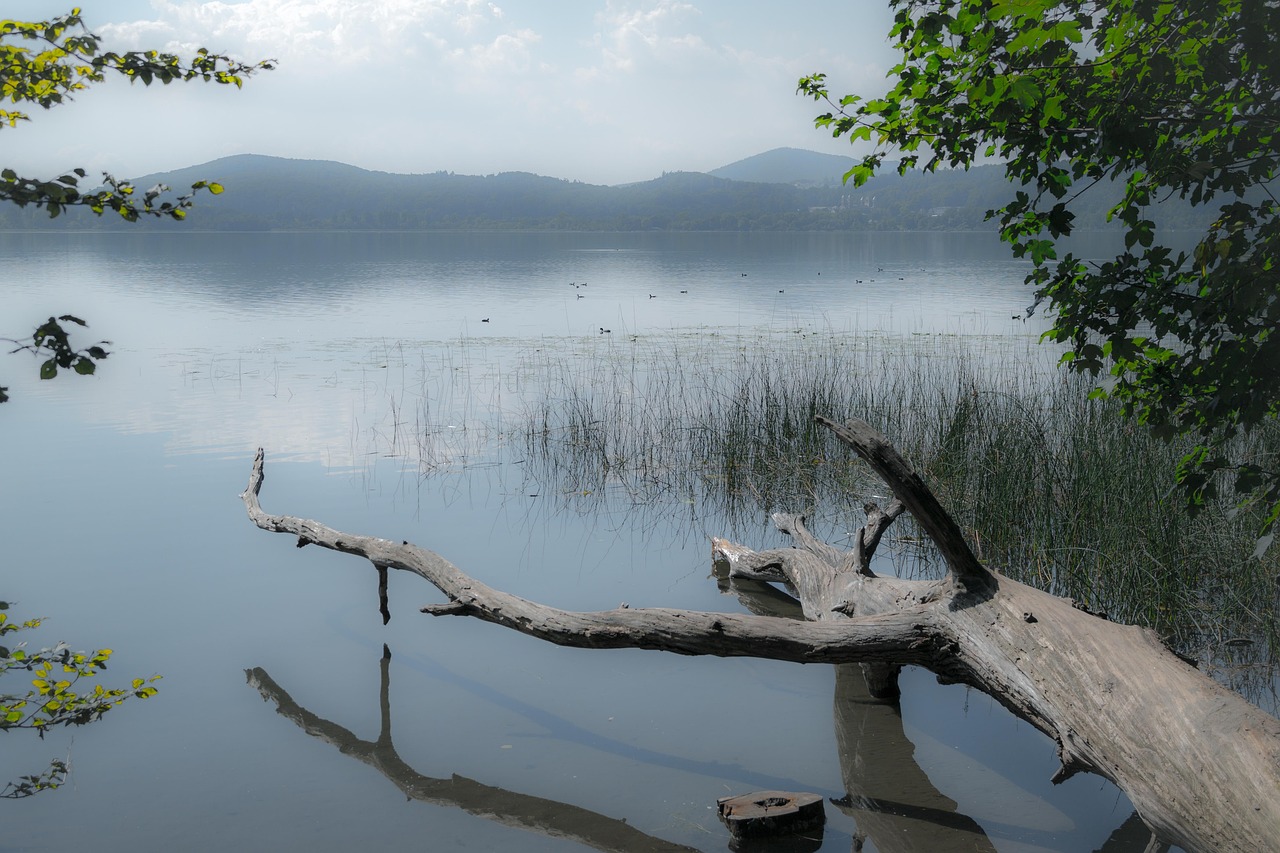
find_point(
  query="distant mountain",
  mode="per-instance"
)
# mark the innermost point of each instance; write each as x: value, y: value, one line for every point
x: 789, y: 166
x: 274, y: 193
x: 264, y: 193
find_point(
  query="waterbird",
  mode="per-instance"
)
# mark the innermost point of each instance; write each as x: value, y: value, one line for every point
x: 651, y: 296
x: 485, y: 320
x: 605, y: 331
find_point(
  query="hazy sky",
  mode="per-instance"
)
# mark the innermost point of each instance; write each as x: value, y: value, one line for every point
x: 604, y: 91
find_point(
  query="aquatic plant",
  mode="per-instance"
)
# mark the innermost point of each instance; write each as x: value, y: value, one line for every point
x: 716, y: 430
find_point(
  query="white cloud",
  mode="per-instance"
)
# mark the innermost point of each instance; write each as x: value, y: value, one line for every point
x: 630, y: 36
x: 314, y: 31
x: 512, y: 52
x: 603, y: 90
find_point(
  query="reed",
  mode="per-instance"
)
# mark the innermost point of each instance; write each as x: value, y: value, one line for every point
x: 710, y: 431
x: 1052, y: 487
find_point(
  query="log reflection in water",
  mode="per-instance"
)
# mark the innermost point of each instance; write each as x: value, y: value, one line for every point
x: 522, y: 811
x: 891, y: 799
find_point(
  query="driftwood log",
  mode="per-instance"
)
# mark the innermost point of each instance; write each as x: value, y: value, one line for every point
x: 1199, y: 763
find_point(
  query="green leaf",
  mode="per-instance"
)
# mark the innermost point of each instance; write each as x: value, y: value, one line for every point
x: 1025, y: 90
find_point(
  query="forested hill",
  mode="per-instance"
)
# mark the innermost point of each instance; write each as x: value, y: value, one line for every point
x: 787, y: 192
x: 789, y: 166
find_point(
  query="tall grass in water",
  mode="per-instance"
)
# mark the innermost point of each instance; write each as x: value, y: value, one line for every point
x: 1051, y: 487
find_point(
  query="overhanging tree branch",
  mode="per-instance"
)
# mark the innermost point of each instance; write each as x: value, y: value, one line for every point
x: 46, y: 63
x: 1176, y: 99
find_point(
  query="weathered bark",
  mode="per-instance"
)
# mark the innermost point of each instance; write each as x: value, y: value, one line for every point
x: 1199, y: 763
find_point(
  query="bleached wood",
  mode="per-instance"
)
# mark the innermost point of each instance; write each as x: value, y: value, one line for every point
x: 885, y: 638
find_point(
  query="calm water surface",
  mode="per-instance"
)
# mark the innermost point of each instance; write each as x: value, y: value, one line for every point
x: 344, y: 355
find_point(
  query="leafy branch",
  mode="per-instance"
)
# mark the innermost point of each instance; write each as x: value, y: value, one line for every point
x: 26, y: 786
x: 48, y: 63
x: 51, y: 338
x: 1151, y: 100
x: 55, y: 697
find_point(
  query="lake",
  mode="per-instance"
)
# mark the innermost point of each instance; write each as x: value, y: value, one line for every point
x: 388, y: 376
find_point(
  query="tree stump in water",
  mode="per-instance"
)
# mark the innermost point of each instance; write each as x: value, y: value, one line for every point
x: 766, y: 814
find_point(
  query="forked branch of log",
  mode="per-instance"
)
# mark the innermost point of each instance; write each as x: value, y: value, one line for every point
x: 1199, y: 763
x: 911, y: 491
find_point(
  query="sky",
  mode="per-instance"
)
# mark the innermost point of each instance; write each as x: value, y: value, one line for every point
x: 602, y: 91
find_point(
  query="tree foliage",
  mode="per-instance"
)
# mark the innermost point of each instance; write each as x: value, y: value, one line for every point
x: 48, y: 63
x: 51, y: 701
x: 1144, y: 101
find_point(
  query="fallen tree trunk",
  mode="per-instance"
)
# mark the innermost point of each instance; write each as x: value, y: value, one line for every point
x: 1199, y: 763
